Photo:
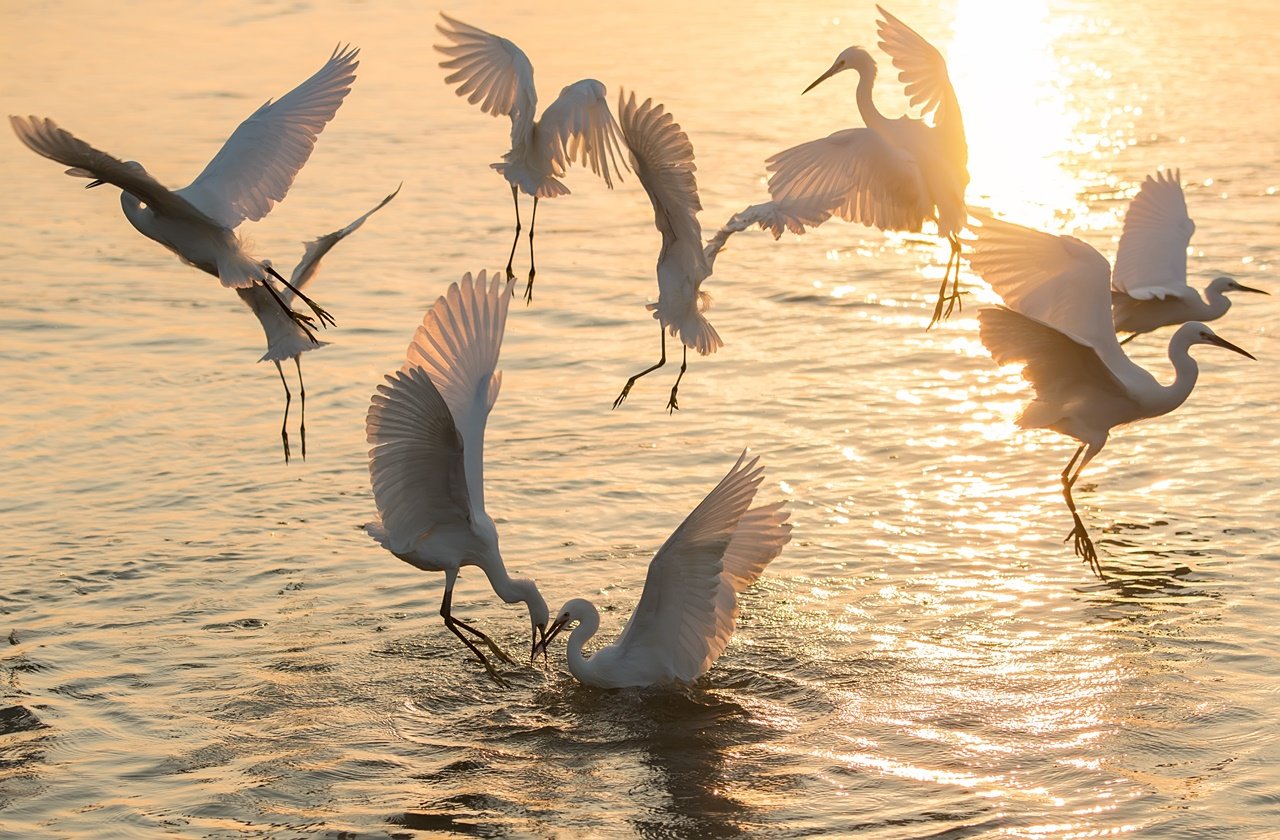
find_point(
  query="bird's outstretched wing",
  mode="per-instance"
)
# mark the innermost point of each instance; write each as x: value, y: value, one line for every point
x: 676, y: 621
x: 662, y: 157
x: 314, y: 251
x: 578, y: 127
x: 415, y: 460
x: 491, y: 72
x: 458, y: 345
x: 855, y: 174
x: 44, y: 137
x: 1151, y: 261
x: 256, y: 166
x: 757, y: 541
x: 776, y: 217
x: 923, y: 71
x: 1059, y: 281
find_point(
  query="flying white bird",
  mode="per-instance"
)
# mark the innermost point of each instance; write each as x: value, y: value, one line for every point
x: 689, y: 605
x: 426, y: 428
x: 892, y: 174
x: 285, y: 338
x: 253, y: 170
x: 496, y: 74
x: 1056, y: 321
x: 1149, y: 284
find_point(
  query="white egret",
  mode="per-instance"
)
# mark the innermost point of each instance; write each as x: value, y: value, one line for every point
x: 250, y: 173
x: 1149, y: 283
x: 426, y: 427
x: 892, y: 174
x: 496, y: 74
x: 285, y: 338
x: 689, y: 604
x: 1056, y: 321
x: 662, y: 158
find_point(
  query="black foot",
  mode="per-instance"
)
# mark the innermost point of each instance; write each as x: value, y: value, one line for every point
x: 528, y: 289
x: 672, y: 405
x: 1084, y: 548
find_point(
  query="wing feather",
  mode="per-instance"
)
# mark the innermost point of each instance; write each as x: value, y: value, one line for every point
x: 315, y: 250
x: 458, y: 346
x: 579, y: 127
x: 415, y: 460
x: 676, y: 617
x: 1151, y: 261
x: 256, y: 166
x: 44, y: 137
x: 491, y: 72
x: 923, y: 71
x: 1059, y: 281
x: 852, y: 173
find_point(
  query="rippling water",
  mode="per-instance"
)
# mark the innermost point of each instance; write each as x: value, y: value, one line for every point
x: 202, y: 641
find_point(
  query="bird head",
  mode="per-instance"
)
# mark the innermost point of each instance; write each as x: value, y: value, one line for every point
x: 852, y: 58
x: 1198, y: 333
x: 572, y: 611
x: 1229, y: 284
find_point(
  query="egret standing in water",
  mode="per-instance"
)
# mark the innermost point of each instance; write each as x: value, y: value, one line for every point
x: 1149, y: 284
x: 893, y: 174
x: 689, y: 604
x: 495, y: 74
x: 250, y: 173
x: 285, y: 338
x: 1056, y: 321
x: 426, y: 429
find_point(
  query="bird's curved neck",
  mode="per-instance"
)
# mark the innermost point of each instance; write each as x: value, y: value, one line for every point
x: 1186, y: 372
x: 507, y: 588
x: 867, y: 109
x: 588, y: 624
x: 1216, y: 305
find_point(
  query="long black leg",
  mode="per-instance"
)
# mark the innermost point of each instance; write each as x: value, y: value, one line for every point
x: 303, y: 321
x: 528, y: 289
x: 672, y: 405
x: 626, y: 389
x: 453, y: 624
x: 302, y: 392
x: 325, y: 317
x: 1083, y: 545
x: 951, y: 300
x: 284, y: 424
x: 515, y: 241
x: 1129, y: 338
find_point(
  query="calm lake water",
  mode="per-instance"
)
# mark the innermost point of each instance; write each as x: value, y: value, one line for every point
x: 202, y: 642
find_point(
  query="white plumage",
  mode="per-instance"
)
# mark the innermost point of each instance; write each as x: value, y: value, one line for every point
x: 892, y: 174
x: 496, y: 75
x: 1057, y: 323
x: 250, y: 173
x: 688, y: 608
x: 1149, y: 282
x: 426, y: 462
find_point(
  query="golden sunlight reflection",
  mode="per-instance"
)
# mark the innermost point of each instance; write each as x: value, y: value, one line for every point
x: 1017, y: 119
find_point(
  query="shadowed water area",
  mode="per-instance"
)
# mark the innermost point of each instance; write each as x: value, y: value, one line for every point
x: 198, y: 640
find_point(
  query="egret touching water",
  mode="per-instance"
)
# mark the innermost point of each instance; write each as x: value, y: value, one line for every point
x: 1149, y: 283
x: 426, y: 461
x: 1056, y: 321
x: 689, y: 604
x: 496, y: 74
x: 250, y: 173
x: 285, y: 338
x: 892, y: 174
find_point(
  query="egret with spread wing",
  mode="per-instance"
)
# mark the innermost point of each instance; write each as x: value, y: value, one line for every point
x: 426, y: 462
x: 495, y: 74
x: 892, y: 174
x: 285, y: 338
x: 1056, y: 321
x: 662, y: 158
x: 1149, y: 283
x: 689, y: 605
x: 253, y: 170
